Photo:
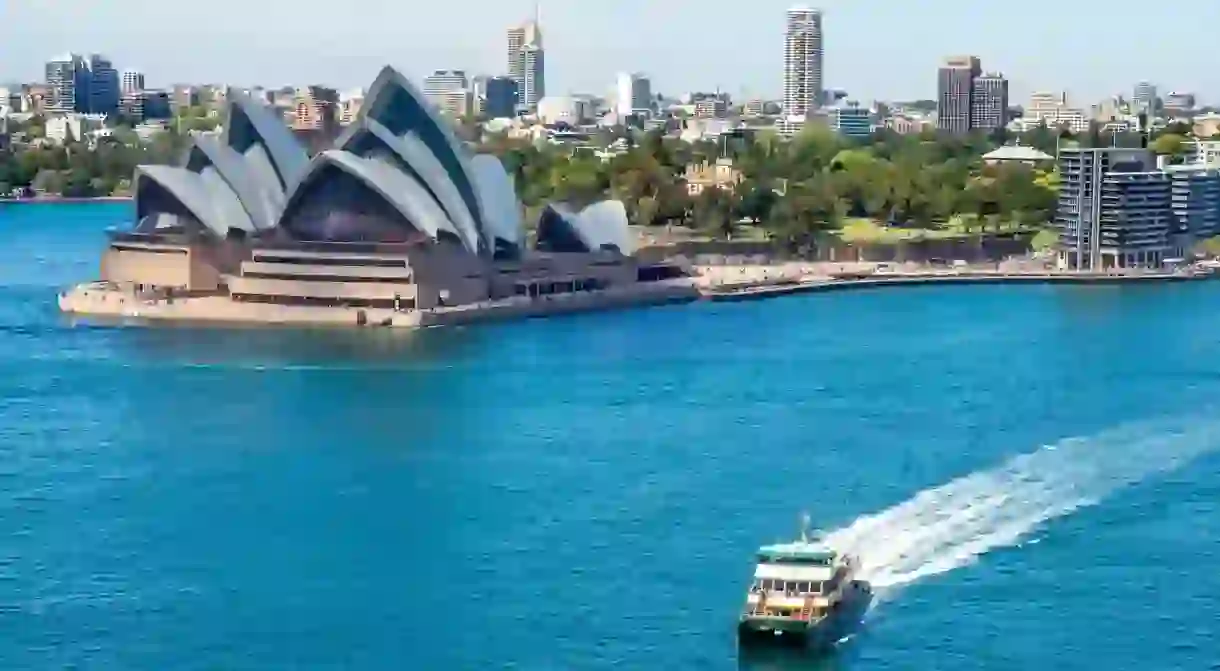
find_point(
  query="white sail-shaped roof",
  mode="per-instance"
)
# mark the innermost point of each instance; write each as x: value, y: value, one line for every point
x: 599, y: 226
x: 395, y: 103
x: 261, y: 201
x: 604, y: 225
x: 368, y: 137
x: 399, y: 189
x: 251, y: 125
x: 503, y: 214
x: 399, y: 150
x: 205, y: 196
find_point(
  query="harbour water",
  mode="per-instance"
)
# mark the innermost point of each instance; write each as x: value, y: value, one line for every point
x: 1029, y: 472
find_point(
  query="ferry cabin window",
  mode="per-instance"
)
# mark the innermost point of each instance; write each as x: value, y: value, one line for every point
x: 784, y: 586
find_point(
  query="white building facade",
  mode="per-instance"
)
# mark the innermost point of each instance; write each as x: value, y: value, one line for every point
x: 803, y: 83
x: 634, y: 94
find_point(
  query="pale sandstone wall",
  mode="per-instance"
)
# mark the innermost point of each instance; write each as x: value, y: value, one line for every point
x: 166, y: 269
x: 303, y: 288
x: 95, y: 300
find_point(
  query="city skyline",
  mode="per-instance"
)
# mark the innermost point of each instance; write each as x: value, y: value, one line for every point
x: 588, y: 45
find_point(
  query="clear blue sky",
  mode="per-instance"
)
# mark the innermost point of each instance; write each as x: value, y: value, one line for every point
x: 873, y: 49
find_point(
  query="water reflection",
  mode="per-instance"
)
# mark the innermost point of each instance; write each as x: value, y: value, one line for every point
x: 194, y: 343
x: 792, y: 659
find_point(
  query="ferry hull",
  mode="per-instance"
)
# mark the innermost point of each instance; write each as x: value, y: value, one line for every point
x: 816, y: 636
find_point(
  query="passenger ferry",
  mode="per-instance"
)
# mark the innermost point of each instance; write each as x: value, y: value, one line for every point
x: 804, y: 593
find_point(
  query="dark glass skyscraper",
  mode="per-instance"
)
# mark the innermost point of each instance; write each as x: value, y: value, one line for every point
x: 501, y: 98
x: 968, y: 100
x: 103, y: 88
x: 84, y: 86
x: 955, y: 83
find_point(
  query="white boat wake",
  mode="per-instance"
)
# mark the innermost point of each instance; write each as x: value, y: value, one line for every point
x: 951, y: 526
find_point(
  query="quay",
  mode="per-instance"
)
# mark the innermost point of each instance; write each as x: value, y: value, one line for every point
x: 100, y: 300
x: 786, y: 285
x: 729, y: 283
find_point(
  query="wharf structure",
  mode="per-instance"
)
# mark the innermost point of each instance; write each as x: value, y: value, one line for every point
x: 397, y: 224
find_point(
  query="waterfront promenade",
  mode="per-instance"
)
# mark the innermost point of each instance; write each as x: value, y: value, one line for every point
x: 99, y: 299
x: 719, y: 283
x: 749, y: 282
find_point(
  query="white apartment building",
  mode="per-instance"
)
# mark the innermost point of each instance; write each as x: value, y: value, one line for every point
x: 1206, y: 152
x: 527, y: 62
x: 534, y: 89
x: 1052, y: 109
x: 64, y: 127
x: 803, y: 83
x: 449, y: 91
x: 566, y: 109
x: 350, y: 103
x: 132, y: 81
x: 633, y: 94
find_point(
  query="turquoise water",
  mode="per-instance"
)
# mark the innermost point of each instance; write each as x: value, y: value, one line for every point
x: 586, y: 492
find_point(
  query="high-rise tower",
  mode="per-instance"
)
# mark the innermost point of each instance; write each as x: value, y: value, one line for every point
x: 527, y: 60
x: 803, y: 84
x: 954, y: 93
x: 968, y: 100
x: 103, y: 86
x: 634, y: 94
x: 132, y: 81
x: 66, y: 83
x: 989, y: 102
x: 84, y: 85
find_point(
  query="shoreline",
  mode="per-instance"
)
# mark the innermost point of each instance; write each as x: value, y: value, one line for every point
x: 92, y: 301
x: 96, y: 300
x: 61, y: 200
x: 728, y: 293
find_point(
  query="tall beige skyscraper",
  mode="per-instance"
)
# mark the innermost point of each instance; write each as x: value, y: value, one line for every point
x: 527, y: 61
x: 803, y: 85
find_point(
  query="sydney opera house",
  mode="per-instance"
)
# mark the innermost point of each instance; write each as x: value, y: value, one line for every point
x: 398, y: 224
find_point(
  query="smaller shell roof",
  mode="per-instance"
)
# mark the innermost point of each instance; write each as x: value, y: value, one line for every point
x: 1017, y: 153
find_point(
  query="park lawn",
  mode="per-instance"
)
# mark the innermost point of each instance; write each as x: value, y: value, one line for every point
x: 871, y: 231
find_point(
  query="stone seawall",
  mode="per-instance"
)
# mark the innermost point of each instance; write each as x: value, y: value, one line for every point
x: 101, y: 301
x: 659, y: 293
x: 731, y: 294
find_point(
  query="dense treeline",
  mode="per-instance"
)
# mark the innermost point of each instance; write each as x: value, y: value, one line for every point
x: 794, y: 190
x: 83, y: 170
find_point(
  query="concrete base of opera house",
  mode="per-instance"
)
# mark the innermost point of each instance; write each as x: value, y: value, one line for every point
x: 100, y: 299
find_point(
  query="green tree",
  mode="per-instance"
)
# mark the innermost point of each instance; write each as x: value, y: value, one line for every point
x: 754, y: 200
x: 578, y: 182
x: 713, y: 212
x: 807, y: 211
x: 1169, y: 144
